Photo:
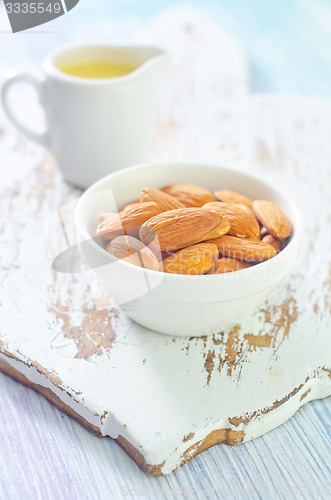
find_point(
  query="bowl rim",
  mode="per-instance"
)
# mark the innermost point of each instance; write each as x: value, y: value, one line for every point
x: 295, y: 239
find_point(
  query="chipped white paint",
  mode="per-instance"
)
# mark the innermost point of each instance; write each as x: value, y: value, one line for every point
x: 166, y: 395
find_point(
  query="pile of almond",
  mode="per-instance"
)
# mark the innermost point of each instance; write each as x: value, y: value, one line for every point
x: 185, y: 229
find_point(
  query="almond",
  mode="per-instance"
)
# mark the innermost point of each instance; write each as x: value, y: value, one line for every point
x: 273, y: 218
x: 130, y: 205
x: 179, y: 228
x: 277, y: 244
x: 263, y: 232
x: 104, y: 216
x: 222, y: 229
x: 243, y: 248
x: 134, y: 251
x: 164, y: 200
x: 189, y: 195
x: 195, y: 259
x: 241, y: 218
x: 228, y: 196
x: 128, y: 221
x: 228, y: 265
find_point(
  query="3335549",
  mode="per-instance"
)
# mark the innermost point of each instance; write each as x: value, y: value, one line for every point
x: 33, y: 7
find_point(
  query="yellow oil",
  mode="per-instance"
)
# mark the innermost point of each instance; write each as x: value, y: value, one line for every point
x: 96, y: 69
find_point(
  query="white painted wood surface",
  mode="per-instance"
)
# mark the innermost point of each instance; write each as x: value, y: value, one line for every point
x: 286, y: 139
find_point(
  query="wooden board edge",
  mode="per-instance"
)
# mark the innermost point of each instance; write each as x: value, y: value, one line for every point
x: 131, y: 450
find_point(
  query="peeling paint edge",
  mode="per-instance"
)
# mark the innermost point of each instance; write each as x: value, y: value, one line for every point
x: 33, y: 378
x: 101, y: 425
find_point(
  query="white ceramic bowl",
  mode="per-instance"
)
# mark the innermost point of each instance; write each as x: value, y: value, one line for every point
x: 179, y: 304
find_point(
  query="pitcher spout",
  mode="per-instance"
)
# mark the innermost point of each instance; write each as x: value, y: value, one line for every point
x: 159, y: 61
x: 156, y: 61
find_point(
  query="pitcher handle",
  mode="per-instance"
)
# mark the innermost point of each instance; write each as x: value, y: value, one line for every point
x: 40, y: 138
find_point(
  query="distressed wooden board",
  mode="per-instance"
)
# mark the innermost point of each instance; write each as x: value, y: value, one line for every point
x: 166, y: 399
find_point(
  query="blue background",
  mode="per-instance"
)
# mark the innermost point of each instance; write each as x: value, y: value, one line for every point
x: 288, y: 42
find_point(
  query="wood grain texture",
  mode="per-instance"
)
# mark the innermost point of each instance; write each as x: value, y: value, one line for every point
x: 285, y: 139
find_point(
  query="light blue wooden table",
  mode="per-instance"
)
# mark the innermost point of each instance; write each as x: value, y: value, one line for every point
x: 46, y: 455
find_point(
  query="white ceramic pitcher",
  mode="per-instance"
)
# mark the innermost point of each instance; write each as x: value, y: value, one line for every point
x: 95, y: 125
